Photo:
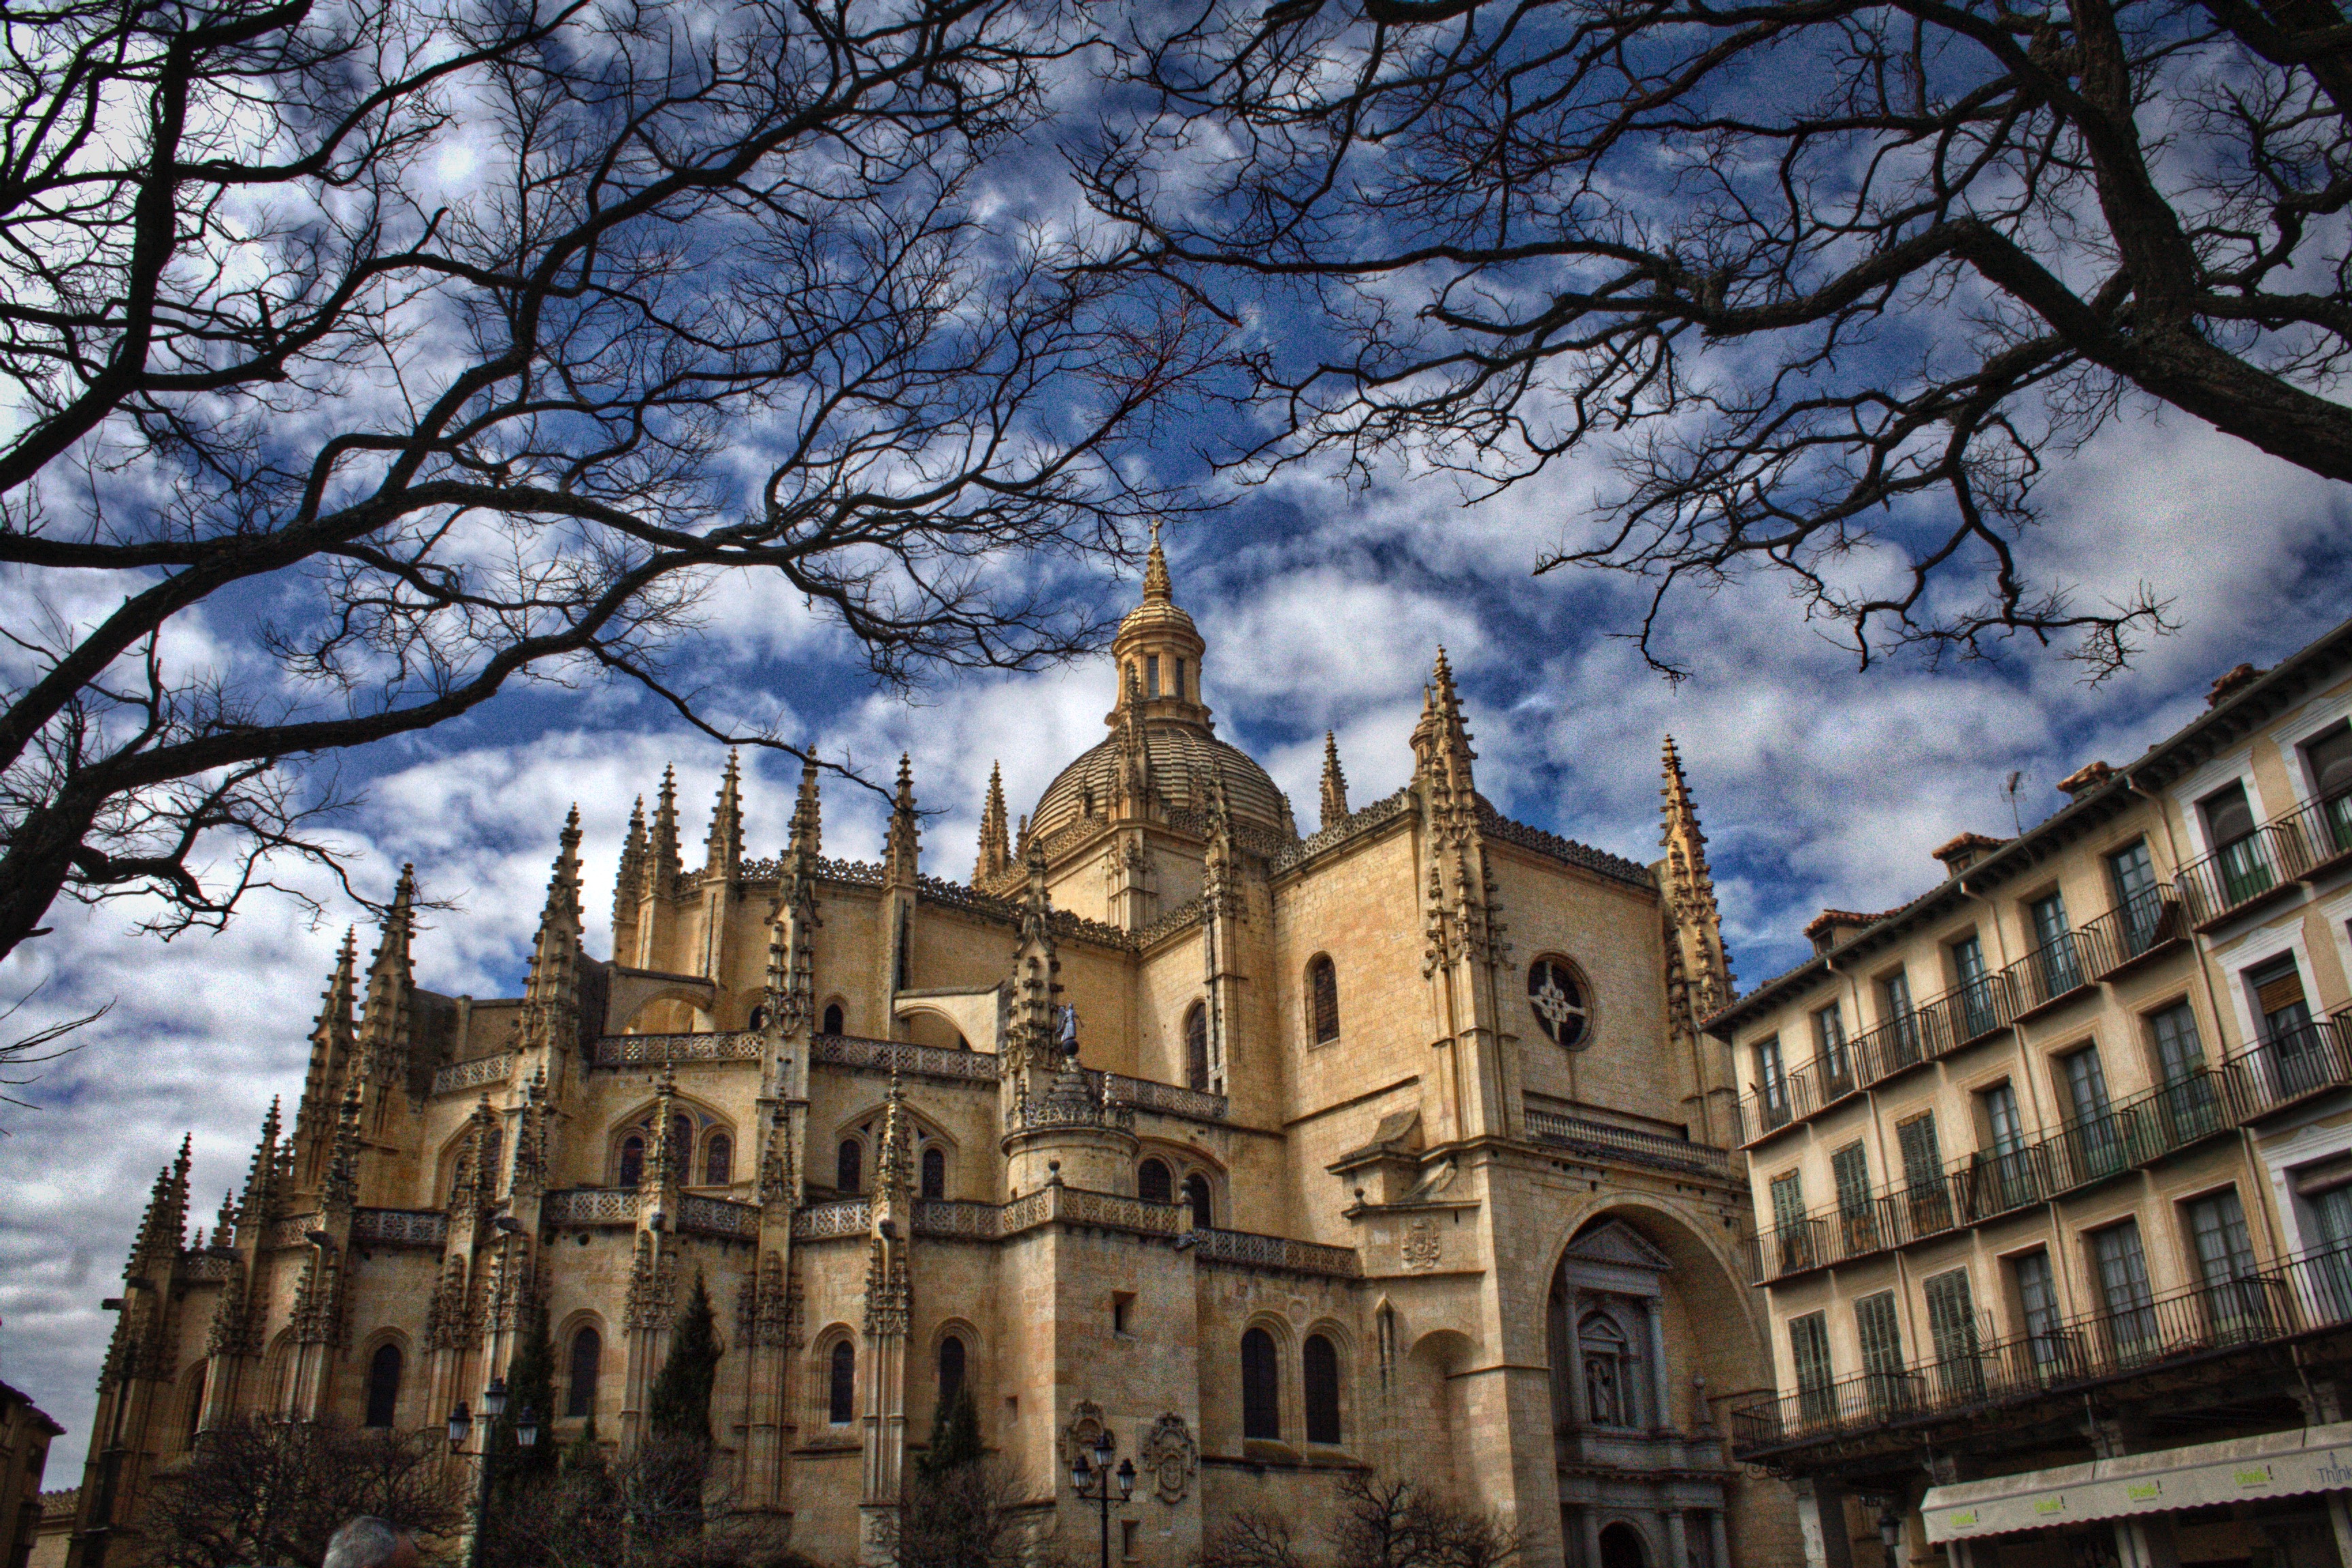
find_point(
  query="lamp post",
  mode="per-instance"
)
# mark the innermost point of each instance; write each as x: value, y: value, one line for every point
x: 1890, y: 1533
x: 461, y: 1423
x: 1100, y: 1476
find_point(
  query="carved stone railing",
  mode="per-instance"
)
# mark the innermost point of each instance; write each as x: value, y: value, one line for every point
x: 1183, y: 917
x: 905, y: 1057
x: 1347, y: 828
x: 458, y: 1077
x: 1494, y: 824
x: 1050, y: 1111
x: 1279, y: 1252
x: 659, y: 1050
x: 845, y: 1216
x: 590, y: 1206
x: 718, y: 1216
x: 1080, y: 1205
x: 198, y: 1267
x: 940, y: 890
x: 1168, y: 1099
x: 399, y: 1227
x: 290, y: 1230
x: 951, y: 1218
x: 1629, y: 1144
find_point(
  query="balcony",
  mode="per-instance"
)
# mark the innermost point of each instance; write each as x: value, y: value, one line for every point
x: 2080, y: 1154
x: 2313, y: 840
x: 2142, y: 928
x: 2299, y: 1296
x: 2291, y: 1067
x: 1935, y: 1029
x: 2050, y: 975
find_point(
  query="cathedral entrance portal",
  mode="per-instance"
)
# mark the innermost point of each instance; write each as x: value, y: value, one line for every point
x: 1620, y: 1547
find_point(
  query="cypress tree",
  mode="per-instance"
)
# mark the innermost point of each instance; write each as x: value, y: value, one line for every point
x: 679, y: 1405
x: 530, y: 1386
x: 955, y: 1434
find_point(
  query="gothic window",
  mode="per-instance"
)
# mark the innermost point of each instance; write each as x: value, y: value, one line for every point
x: 832, y: 1018
x: 1196, y: 1198
x: 841, y: 1389
x: 633, y: 1160
x: 1319, y: 1361
x: 383, y: 1386
x: 1261, y: 1387
x: 1196, y: 1048
x: 681, y: 1140
x: 1557, y: 994
x: 1153, y: 1184
x: 1323, y: 1000
x: 850, y: 1166
x: 1608, y: 1370
x: 196, y: 1405
x: 718, y: 1160
x: 587, y: 1359
x: 935, y: 1176
x: 950, y: 1369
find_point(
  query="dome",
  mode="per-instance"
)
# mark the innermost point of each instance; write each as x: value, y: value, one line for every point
x: 1178, y: 754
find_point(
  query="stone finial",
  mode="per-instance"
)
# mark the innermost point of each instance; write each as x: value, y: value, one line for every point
x: 995, y: 844
x: 1156, y: 587
x: 901, y: 848
x: 550, y: 993
x: 1335, y: 783
x: 667, y: 866
x: 806, y: 841
x: 723, y: 846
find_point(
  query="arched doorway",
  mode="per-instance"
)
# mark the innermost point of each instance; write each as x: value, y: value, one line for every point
x: 1620, y: 1547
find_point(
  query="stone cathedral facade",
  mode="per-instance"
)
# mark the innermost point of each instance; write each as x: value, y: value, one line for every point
x: 1395, y: 1146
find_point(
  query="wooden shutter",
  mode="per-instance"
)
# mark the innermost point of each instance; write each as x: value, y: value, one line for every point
x: 2277, y: 992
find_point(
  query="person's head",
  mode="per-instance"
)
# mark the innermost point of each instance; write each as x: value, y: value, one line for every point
x: 369, y: 1542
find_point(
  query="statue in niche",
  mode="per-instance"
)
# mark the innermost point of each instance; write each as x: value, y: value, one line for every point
x: 1607, y: 1400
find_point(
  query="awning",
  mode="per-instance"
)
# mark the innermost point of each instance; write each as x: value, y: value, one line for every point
x: 2276, y: 1464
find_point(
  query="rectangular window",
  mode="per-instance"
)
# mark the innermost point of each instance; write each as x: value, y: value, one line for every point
x: 1152, y: 675
x: 1927, y: 1200
x: 2092, y: 1143
x: 2180, y: 1054
x: 1809, y: 1349
x: 1902, y: 1037
x: 2192, y: 1107
x: 2291, y: 1058
x: 1979, y: 1013
x: 2008, y: 1181
x: 2057, y: 967
x: 1882, y: 1350
x: 1771, y: 1083
x: 2140, y: 901
x: 2240, y: 855
x: 1122, y: 1311
x: 2278, y: 996
x: 1180, y: 678
x: 1792, y: 1236
x: 2217, y: 1224
x: 1829, y: 1045
x: 2128, y: 1320
x: 2329, y: 759
x: 2037, y: 1298
x: 1131, y: 1533
x: 1952, y: 1325
x: 2005, y: 1131
x: 1857, y: 1216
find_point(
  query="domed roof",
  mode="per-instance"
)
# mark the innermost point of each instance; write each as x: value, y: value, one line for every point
x: 1182, y: 761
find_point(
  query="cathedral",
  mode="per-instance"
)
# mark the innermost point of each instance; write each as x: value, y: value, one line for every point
x: 1394, y: 1148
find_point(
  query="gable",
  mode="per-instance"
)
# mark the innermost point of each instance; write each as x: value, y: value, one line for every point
x: 1617, y: 1244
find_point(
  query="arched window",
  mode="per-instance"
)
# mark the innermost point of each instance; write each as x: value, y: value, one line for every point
x: 633, y: 1160
x: 935, y: 1173
x: 1196, y: 1048
x: 832, y: 1018
x: 1153, y: 1184
x: 1261, y: 1387
x: 759, y: 1017
x: 841, y: 1389
x: 950, y: 1369
x: 682, y: 1141
x: 1196, y: 1198
x: 383, y: 1386
x: 1323, y: 1000
x: 1562, y: 1011
x: 850, y: 1166
x: 587, y: 1359
x: 1319, y: 1361
x: 718, y: 1160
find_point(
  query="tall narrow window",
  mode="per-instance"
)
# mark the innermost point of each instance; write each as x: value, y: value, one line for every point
x: 1952, y: 1324
x: 2189, y: 1103
x: 1153, y: 1184
x: 2239, y: 852
x: 1180, y: 678
x: 1882, y: 1350
x: 2037, y: 1297
x: 633, y: 1160
x: 1196, y: 1198
x: 2130, y: 1317
x: 1771, y: 1081
x: 2225, y: 1263
x: 718, y: 1160
x: 1319, y: 1361
x: 841, y: 1385
x: 950, y: 1369
x: 587, y: 1359
x: 833, y: 1020
x: 1902, y: 1040
x: 1152, y: 675
x: 1323, y: 997
x: 1979, y: 1013
x: 2094, y: 1142
x: 2329, y: 758
x: 2008, y: 1176
x: 1793, y: 1237
x: 1857, y: 1216
x: 1925, y: 1191
x: 1261, y: 1387
x: 1196, y: 1047
x: 850, y: 1166
x: 195, y: 1410
x: 1809, y: 1349
x: 2057, y: 968
x: 935, y: 1171
x: 1829, y: 1045
x: 383, y: 1385
x: 2278, y: 997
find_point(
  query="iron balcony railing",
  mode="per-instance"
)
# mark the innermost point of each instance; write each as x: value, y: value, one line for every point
x: 2302, y: 1295
x: 2291, y: 1067
x: 2138, y: 928
x: 2056, y: 970
x: 2078, y: 1154
x: 1935, y: 1029
x: 2312, y: 840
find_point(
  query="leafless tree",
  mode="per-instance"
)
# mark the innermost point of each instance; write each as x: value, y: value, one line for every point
x: 276, y: 1491
x: 1830, y: 282
x: 1253, y: 1538
x: 978, y: 1514
x: 369, y: 359
x: 1382, y: 1521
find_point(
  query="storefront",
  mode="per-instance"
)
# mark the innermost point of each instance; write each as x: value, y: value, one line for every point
x: 2278, y: 1498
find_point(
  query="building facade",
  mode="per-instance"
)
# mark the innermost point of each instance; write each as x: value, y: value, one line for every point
x: 25, y: 1434
x: 1271, y: 1153
x: 2052, y: 1170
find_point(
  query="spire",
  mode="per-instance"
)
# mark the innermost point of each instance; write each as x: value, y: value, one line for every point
x: 808, y: 817
x: 629, y: 887
x: 723, y: 849
x: 550, y: 992
x: 665, y: 868
x: 1440, y: 742
x: 1131, y: 785
x: 165, y: 1223
x: 383, y: 1027
x: 1335, y: 783
x: 253, y: 1213
x: 995, y: 844
x: 901, y: 855
x: 1156, y: 590
x: 1695, y: 921
x: 333, y: 1037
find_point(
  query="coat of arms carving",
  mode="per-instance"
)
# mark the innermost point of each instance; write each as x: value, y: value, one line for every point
x: 1170, y: 1457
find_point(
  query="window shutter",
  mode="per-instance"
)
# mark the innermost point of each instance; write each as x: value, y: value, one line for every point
x: 2278, y: 992
x: 2228, y: 817
x: 2330, y: 758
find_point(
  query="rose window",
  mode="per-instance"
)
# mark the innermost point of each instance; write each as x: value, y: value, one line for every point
x: 1558, y: 998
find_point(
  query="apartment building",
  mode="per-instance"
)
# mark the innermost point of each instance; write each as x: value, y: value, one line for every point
x: 2052, y: 1171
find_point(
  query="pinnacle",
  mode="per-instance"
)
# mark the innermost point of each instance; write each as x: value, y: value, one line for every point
x: 1156, y: 587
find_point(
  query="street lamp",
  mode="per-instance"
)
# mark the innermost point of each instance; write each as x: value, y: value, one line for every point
x: 1099, y: 1475
x: 1890, y: 1531
x: 461, y: 1424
